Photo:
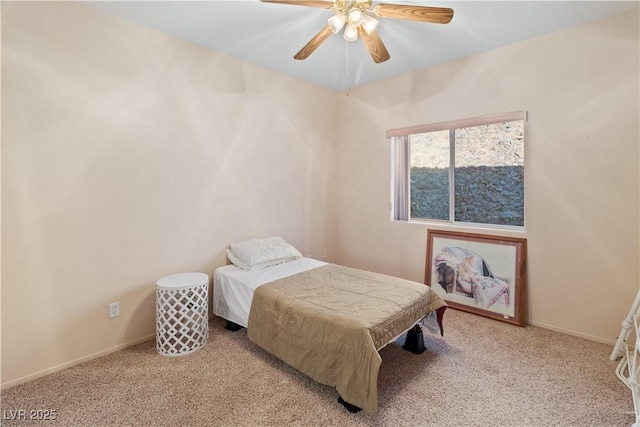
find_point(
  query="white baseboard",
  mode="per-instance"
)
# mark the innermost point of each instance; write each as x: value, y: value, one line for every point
x: 75, y: 362
x: 574, y: 333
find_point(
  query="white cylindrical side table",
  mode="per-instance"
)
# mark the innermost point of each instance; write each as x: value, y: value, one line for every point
x: 182, y: 313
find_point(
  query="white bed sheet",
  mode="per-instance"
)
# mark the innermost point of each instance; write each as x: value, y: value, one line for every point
x: 233, y: 287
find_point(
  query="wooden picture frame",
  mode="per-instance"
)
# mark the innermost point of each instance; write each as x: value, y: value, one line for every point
x: 479, y: 273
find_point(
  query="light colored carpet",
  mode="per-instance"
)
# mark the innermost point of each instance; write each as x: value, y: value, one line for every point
x: 481, y: 373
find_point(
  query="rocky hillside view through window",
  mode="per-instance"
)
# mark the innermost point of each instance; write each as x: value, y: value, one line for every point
x: 488, y: 174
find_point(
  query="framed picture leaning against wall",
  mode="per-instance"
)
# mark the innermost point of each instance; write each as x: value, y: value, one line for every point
x: 479, y: 273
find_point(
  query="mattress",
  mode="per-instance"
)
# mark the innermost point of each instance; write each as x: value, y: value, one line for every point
x: 233, y: 287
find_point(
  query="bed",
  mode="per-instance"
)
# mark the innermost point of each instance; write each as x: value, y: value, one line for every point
x: 327, y: 321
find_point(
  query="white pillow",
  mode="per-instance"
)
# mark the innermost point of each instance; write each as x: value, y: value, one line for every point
x: 261, y: 253
x: 246, y: 267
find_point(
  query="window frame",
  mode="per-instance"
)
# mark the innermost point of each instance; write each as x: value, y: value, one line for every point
x: 451, y: 126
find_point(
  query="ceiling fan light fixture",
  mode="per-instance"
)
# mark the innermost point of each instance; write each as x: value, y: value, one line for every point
x: 351, y: 32
x: 355, y: 16
x: 369, y: 23
x: 337, y: 21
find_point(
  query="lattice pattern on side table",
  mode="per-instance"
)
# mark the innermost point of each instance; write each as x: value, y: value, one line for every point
x: 182, y: 314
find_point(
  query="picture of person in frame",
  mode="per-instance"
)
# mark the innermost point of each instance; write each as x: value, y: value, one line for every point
x: 464, y: 272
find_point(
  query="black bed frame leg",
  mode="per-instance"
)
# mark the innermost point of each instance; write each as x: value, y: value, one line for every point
x: 351, y: 408
x: 415, y: 340
x: 232, y: 326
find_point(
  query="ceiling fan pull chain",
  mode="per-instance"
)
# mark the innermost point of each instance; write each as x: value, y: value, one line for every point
x: 347, y: 77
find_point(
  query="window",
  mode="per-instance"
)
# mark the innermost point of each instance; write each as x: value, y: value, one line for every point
x: 467, y: 171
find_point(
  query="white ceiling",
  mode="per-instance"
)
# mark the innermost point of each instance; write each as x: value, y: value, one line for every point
x: 270, y: 34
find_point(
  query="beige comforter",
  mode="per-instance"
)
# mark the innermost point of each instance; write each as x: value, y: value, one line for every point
x: 330, y: 321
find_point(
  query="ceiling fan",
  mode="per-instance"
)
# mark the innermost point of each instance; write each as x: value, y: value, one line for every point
x: 356, y: 17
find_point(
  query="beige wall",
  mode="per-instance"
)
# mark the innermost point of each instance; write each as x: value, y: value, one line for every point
x: 128, y: 155
x: 580, y: 87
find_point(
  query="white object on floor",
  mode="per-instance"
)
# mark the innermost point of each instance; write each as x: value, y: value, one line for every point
x: 628, y: 369
x: 182, y: 313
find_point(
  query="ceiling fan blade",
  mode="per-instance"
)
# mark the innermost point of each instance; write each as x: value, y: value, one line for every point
x: 323, y: 4
x: 377, y: 49
x: 313, y: 44
x: 437, y: 15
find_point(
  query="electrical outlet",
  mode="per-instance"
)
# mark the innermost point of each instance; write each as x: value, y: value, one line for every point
x: 324, y: 254
x: 114, y: 310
